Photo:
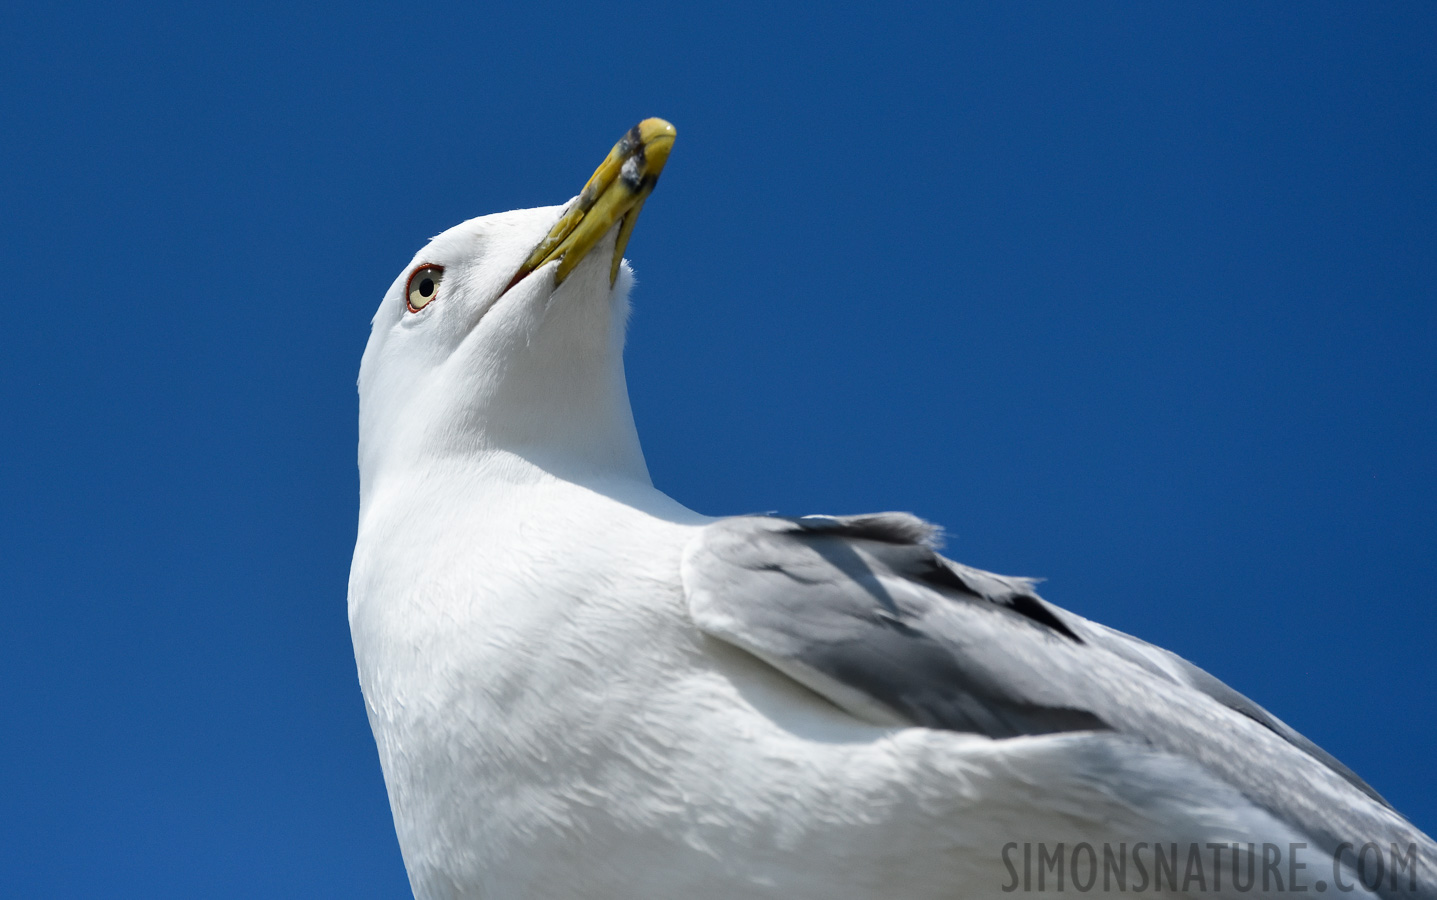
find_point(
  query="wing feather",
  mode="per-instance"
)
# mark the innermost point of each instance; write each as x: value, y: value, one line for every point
x: 864, y: 611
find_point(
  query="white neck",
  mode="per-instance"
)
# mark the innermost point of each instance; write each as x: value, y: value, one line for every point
x: 544, y: 387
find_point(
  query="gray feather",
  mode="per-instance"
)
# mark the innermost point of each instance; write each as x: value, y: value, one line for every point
x: 863, y: 611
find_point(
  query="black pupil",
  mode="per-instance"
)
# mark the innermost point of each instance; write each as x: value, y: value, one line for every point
x: 426, y: 287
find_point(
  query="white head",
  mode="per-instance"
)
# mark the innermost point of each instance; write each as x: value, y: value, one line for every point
x: 514, y: 346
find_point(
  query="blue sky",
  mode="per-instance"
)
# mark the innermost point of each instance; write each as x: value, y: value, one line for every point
x: 1136, y: 297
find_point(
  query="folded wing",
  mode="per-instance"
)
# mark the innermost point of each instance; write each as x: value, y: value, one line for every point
x: 864, y: 612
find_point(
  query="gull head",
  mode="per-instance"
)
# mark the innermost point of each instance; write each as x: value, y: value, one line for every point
x: 502, y: 339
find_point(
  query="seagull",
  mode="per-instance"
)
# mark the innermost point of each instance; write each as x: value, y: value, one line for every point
x: 579, y: 688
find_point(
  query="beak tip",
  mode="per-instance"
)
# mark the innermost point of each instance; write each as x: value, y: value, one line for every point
x: 657, y: 137
x: 655, y: 127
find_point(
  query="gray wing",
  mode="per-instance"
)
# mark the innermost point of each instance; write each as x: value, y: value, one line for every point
x: 862, y: 610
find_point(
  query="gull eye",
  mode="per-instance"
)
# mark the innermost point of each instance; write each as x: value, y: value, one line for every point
x: 424, y: 286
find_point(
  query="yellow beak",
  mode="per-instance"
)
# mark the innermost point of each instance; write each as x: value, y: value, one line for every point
x: 615, y: 193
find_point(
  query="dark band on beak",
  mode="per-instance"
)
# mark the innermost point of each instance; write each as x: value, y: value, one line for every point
x: 615, y: 193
